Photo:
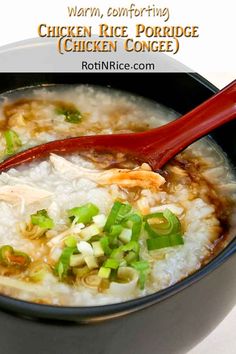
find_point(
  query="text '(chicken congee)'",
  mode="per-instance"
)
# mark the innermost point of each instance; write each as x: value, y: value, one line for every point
x: 105, y: 38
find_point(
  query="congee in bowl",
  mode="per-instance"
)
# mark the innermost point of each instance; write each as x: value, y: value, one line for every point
x: 98, y: 228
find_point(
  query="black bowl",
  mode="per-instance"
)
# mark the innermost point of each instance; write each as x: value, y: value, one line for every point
x: 170, y: 321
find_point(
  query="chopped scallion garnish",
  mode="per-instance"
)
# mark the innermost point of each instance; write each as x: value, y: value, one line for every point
x: 131, y: 257
x: 125, y: 235
x: 142, y: 267
x: 97, y: 249
x: 164, y: 241
x: 104, y: 272
x: 128, y: 252
x: 115, y: 245
x: 117, y: 253
x: 118, y: 212
x: 76, y: 260
x: 131, y: 246
x: 136, y: 225
x: 115, y: 230
x: 88, y: 232
x: 111, y: 263
x: 70, y: 241
x: 113, y: 235
x: 13, y: 141
x: 164, y: 231
x: 11, y: 257
x: 168, y: 224
x: 105, y: 245
x: 38, y: 271
x: 83, y: 214
x: 72, y: 115
x: 42, y: 219
x: 63, y: 263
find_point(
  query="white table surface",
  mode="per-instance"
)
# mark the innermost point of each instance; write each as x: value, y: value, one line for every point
x: 223, y: 339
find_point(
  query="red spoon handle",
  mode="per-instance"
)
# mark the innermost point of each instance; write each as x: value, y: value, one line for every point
x: 165, y: 142
x: 103, y: 143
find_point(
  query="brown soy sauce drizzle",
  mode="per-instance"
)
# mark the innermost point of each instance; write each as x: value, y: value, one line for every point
x: 209, y: 192
x: 191, y: 169
x: 30, y: 115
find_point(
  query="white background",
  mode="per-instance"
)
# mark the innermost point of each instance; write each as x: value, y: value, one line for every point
x: 213, y: 55
x: 212, y: 52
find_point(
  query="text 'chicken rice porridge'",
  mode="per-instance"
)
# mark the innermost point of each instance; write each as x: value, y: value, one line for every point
x: 98, y: 228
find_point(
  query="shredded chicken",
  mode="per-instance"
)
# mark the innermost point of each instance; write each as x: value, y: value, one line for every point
x: 142, y: 176
x: 21, y: 192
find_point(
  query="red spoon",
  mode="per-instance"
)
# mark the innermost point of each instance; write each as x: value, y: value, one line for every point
x: 156, y: 146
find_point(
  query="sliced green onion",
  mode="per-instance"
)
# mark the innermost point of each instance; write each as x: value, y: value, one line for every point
x: 123, y: 263
x: 170, y: 224
x: 83, y: 214
x: 71, y: 241
x: 11, y: 257
x: 165, y: 234
x: 104, y: 272
x: 136, y: 225
x: 132, y: 249
x: 114, y: 233
x: 72, y: 115
x: 151, y: 232
x: 131, y: 257
x: 142, y: 279
x: 42, y: 219
x: 97, y: 249
x: 38, y: 271
x: 124, y: 210
x: 118, y: 253
x: 85, y: 248
x: 63, y: 264
x: 76, y: 260
x: 95, y: 238
x: 105, y: 245
x: 125, y: 235
x: 131, y: 246
x: 111, y: 263
x: 91, y: 262
x: 164, y: 241
x: 13, y: 141
x: 142, y: 267
x: 111, y: 220
x: 88, y: 232
x: 100, y: 220
x: 118, y: 212
x: 153, y: 215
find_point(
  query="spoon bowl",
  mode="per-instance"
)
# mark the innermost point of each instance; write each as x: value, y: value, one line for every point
x: 156, y: 146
